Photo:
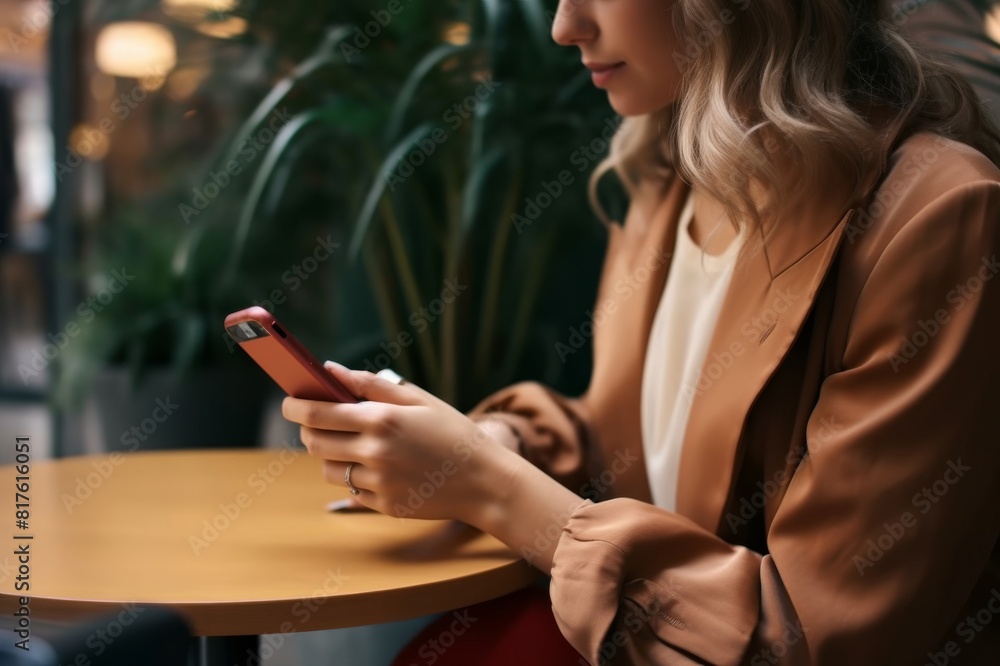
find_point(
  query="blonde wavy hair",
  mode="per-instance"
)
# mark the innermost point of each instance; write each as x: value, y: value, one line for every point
x: 826, y: 80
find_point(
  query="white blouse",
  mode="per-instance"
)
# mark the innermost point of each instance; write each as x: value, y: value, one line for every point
x: 678, y: 342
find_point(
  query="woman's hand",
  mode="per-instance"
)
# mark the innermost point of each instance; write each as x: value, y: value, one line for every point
x: 416, y: 456
x: 413, y: 454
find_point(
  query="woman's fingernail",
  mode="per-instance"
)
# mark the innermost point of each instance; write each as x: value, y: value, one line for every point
x: 333, y: 365
x: 389, y: 375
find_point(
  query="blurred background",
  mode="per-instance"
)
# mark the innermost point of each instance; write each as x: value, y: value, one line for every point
x: 402, y: 182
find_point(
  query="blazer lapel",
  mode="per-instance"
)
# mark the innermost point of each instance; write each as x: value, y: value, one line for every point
x: 638, y: 258
x: 773, y: 287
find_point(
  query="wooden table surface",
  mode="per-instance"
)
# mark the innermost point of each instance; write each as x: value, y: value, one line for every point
x: 240, y: 543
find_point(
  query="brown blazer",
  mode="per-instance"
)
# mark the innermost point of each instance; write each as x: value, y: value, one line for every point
x: 839, y: 491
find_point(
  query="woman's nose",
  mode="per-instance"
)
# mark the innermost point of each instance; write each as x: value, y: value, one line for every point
x: 572, y: 25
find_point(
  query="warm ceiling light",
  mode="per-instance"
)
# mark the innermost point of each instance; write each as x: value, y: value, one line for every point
x: 197, y: 10
x: 136, y: 49
x: 102, y: 86
x: 37, y: 14
x: 89, y: 142
x: 234, y: 26
x: 456, y: 33
x: 185, y: 82
x: 152, y: 83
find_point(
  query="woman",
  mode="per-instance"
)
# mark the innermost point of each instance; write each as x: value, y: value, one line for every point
x: 788, y: 450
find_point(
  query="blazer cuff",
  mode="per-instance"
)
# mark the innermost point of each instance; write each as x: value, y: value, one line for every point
x: 585, y: 587
x: 552, y: 431
x: 628, y: 577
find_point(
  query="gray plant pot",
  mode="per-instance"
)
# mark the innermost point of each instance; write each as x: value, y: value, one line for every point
x: 210, y: 408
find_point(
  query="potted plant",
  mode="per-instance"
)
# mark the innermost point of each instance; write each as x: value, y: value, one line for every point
x: 148, y: 364
x: 460, y: 145
x: 158, y: 349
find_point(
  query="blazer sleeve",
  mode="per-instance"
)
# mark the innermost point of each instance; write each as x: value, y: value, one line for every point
x: 552, y: 430
x: 886, y: 524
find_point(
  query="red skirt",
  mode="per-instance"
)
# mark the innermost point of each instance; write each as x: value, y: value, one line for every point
x: 516, y: 629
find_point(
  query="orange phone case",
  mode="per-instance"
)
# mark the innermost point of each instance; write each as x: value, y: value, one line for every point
x: 283, y: 357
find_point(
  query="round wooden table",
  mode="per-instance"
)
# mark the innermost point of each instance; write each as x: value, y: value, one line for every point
x: 240, y: 543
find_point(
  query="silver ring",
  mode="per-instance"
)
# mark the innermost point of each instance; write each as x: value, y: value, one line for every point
x: 347, y: 480
x: 390, y: 375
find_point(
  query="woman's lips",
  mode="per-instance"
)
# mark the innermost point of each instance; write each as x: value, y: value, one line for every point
x: 601, y: 73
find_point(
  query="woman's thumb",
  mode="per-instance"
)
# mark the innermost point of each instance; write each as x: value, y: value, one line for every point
x: 380, y: 388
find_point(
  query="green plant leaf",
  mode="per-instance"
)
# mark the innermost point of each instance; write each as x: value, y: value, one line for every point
x: 492, y: 20
x: 577, y: 84
x: 377, y: 190
x: 403, y: 101
x: 534, y: 15
x: 475, y: 186
x: 189, y: 335
x: 490, y: 311
x: 379, y: 276
x: 325, y: 56
x: 407, y: 280
x: 531, y: 287
x: 276, y: 152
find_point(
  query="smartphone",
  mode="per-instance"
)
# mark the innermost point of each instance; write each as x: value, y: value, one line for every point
x: 283, y: 357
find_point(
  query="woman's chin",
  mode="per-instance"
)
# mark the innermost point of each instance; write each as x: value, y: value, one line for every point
x: 623, y: 106
x: 626, y: 105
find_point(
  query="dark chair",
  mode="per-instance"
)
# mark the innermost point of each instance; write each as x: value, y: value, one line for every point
x: 147, y: 635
